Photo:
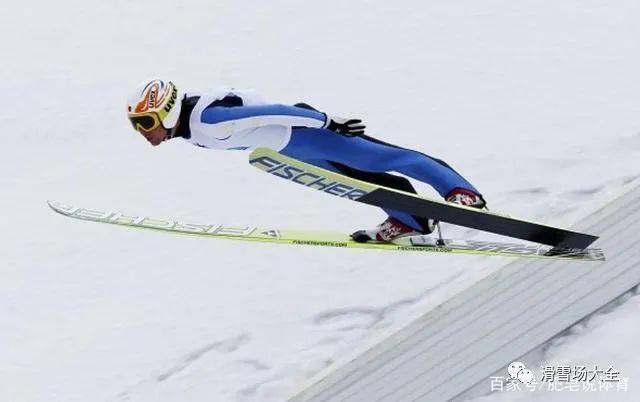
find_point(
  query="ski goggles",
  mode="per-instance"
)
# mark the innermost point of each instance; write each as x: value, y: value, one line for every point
x: 146, y: 121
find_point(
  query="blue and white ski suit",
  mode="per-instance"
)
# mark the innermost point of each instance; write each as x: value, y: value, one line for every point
x: 240, y: 120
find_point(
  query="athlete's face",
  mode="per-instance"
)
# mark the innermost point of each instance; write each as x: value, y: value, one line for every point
x: 155, y: 136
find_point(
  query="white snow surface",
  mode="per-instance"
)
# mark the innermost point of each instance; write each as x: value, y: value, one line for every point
x: 536, y: 102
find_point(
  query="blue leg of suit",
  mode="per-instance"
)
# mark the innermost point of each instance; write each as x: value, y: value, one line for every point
x: 329, y: 150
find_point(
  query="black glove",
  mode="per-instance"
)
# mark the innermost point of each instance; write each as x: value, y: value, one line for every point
x: 346, y: 127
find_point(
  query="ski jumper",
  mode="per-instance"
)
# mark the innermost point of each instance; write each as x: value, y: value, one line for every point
x: 241, y: 120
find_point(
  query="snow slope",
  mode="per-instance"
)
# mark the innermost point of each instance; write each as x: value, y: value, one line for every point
x: 535, y: 102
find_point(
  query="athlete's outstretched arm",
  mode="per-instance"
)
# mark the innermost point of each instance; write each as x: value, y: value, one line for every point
x: 248, y: 117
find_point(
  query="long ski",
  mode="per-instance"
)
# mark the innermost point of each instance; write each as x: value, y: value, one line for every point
x: 356, y: 190
x: 317, y: 238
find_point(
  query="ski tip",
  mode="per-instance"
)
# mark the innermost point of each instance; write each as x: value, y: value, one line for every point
x: 53, y: 205
x: 57, y: 207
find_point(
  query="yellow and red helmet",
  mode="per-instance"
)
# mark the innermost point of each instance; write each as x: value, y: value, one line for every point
x: 154, y: 103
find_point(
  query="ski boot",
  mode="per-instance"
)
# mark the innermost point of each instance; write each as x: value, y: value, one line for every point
x: 466, y: 197
x: 388, y: 231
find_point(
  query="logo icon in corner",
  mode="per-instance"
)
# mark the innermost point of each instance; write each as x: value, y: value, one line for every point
x: 518, y: 372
